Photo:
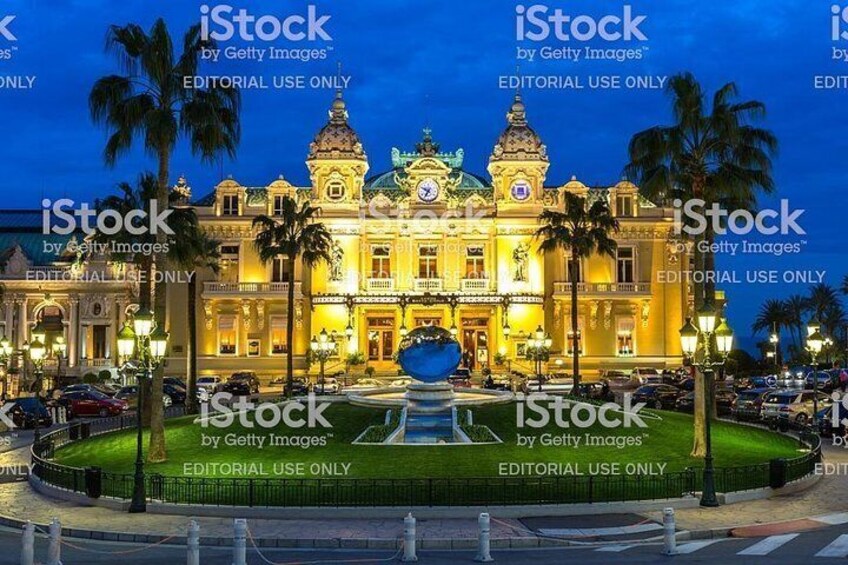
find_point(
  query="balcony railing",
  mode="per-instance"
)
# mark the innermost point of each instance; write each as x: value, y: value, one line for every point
x: 248, y: 288
x: 427, y: 285
x: 474, y: 285
x: 604, y: 288
x: 380, y: 284
x: 97, y: 362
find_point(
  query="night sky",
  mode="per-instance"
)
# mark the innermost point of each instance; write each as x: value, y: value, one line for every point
x: 438, y: 62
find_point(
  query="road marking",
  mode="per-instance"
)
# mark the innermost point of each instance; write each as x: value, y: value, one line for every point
x: 767, y: 545
x: 693, y: 546
x: 833, y: 519
x: 614, y: 548
x: 837, y: 548
x: 593, y: 532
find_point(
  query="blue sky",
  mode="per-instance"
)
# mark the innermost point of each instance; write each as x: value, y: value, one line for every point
x: 414, y: 62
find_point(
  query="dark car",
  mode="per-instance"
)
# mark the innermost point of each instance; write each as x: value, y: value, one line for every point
x: 91, y: 403
x: 175, y: 381
x: 824, y: 378
x: 723, y: 398
x: 687, y: 384
x: 824, y: 418
x: 594, y: 391
x: 247, y: 378
x: 26, y: 411
x: 749, y: 404
x: 176, y: 393
x: 300, y: 387
x: 657, y: 395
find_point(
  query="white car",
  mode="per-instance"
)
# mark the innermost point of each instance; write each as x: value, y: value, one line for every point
x: 645, y: 376
x: 331, y: 386
x: 206, y: 387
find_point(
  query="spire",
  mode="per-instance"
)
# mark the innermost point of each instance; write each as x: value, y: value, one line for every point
x: 338, y: 111
x: 517, y: 115
x: 427, y: 147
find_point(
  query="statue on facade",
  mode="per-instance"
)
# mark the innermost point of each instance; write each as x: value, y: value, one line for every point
x: 519, y: 258
x: 336, y: 262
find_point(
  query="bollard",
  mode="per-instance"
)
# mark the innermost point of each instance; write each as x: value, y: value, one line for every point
x: 28, y: 544
x: 669, y: 539
x: 484, y: 539
x: 239, y: 541
x: 193, y: 543
x: 54, y: 550
x: 409, y: 539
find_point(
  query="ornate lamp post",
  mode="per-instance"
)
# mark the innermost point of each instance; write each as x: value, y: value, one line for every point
x: 5, y: 361
x: 538, y: 347
x: 323, y: 347
x: 774, y: 339
x: 689, y: 337
x: 815, y: 342
x: 59, y: 349
x: 36, y: 354
x: 147, y: 342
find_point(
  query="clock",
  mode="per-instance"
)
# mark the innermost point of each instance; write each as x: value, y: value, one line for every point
x: 428, y: 190
x: 520, y: 190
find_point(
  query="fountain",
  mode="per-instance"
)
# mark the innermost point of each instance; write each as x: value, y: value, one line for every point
x: 429, y: 355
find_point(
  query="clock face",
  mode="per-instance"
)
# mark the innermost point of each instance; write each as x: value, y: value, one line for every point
x: 428, y: 190
x: 520, y: 190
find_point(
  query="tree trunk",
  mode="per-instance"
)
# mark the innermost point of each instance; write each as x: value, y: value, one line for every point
x: 191, y: 401
x: 156, y: 452
x: 290, y: 332
x: 699, y: 443
x: 572, y: 266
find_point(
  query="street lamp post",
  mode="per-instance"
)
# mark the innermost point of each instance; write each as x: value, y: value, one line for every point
x: 538, y: 347
x: 774, y: 339
x: 815, y: 342
x: 147, y: 341
x: 689, y: 336
x: 36, y: 354
x: 5, y: 361
x: 323, y: 346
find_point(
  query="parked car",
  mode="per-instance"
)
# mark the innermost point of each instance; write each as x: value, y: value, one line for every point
x: 594, y: 391
x: 248, y: 378
x: 793, y: 377
x: 645, y: 375
x: 723, y: 398
x: 176, y: 381
x: 300, y: 387
x: 129, y: 394
x: 824, y: 378
x: 91, y: 403
x: 206, y: 387
x: 176, y: 393
x: 825, y: 420
x: 550, y: 385
x: 331, y: 386
x: 793, y: 405
x: 616, y: 377
x: 26, y: 411
x: 105, y: 388
x: 687, y: 385
x: 749, y: 404
x: 657, y: 396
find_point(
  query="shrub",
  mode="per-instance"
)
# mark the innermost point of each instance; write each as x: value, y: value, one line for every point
x: 104, y: 375
x: 355, y: 359
x: 500, y: 359
x: 369, y: 371
x: 89, y: 378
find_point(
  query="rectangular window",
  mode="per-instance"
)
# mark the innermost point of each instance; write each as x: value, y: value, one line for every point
x: 230, y: 205
x: 575, y: 339
x: 381, y: 266
x: 624, y: 205
x: 99, y: 341
x: 475, y: 263
x: 278, y: 206
x: 278, y: 335
x: 624, y: 265
x: 229, y: 263
x: 624, y: 337
x: 428, y: 262
x: 579, y: 268
x: 227, y: 335
x: 428, y: 321
x: 280, y: 269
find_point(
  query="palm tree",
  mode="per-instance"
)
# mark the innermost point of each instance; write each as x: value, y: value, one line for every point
x: 296, y: 234
x: 183, y: 222
x: 153, y: 102
x: 712, y: 154
x: 844, y: 286
x: 823, y: 303
x: 773, y: 316
x: 195, y: 251
x: 796, y: 306
x: 580, y: 231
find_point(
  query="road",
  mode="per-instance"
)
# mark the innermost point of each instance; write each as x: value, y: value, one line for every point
x: 828, y: 545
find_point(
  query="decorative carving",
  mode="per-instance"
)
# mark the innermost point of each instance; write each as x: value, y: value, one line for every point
x: 646, y: 310
x: 245, y: 312
x: 17, y: 264
x: 298, y: 314
x: 336, y: 262
x: 593, y: 314
x: 260, y: 313
x: 519, y: 259
x: 607, y: 314
x: 208, y: 313
x: 557, y: 314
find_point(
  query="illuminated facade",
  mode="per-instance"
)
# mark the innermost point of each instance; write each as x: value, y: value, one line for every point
x: 430, y: 243
x: 423, y: 243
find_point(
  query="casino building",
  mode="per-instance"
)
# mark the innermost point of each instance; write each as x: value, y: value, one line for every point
x: 426, y: 242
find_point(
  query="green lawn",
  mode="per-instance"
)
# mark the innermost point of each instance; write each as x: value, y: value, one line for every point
x: 666, y: 440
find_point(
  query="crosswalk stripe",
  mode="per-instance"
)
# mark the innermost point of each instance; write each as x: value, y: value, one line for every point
x: 767, y: 545
x: 614, y: 548
x: 837, y: 548
x: 693, y: 546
